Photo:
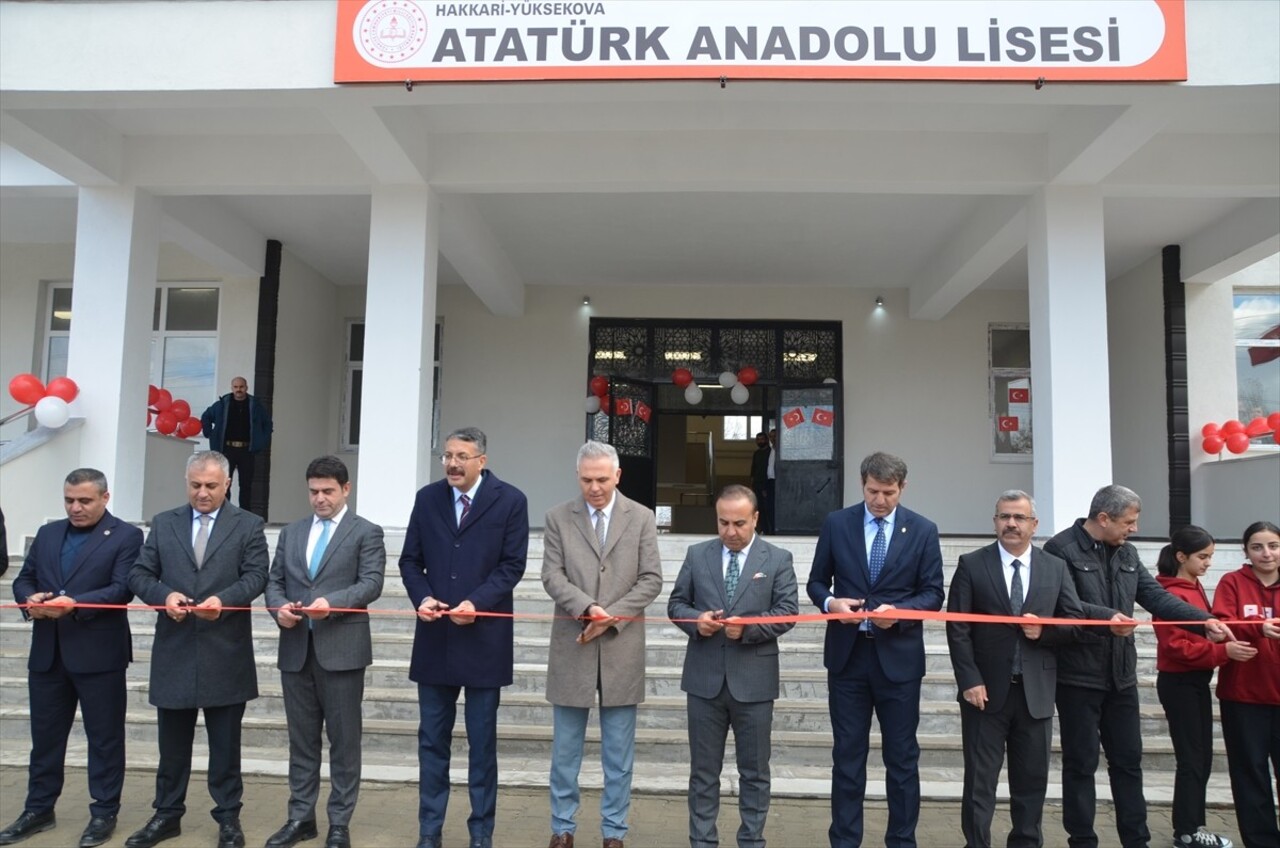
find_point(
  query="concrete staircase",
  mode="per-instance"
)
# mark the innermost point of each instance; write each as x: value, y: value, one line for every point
x: 802, y: 737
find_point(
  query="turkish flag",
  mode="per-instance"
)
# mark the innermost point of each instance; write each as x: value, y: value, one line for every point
x: 1019, y: 395
x: 622, y: 406
x: 643, y: 411
x: 823, y: 417
x: 1007, y: 423
x: 1261, y: 355
x: 794, y: 418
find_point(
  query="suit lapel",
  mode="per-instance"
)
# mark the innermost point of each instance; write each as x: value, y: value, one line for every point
x: 223, y: 527
x: 858, y: 518
x: 486, y: 497
x: 1036, y: 584
x: 297, y: 551
x: 715, y: 570
x: 617, y: 522
x: 95, y: 540
x: 182, y: 533
x: 901, y: 531
x: 755, y: 561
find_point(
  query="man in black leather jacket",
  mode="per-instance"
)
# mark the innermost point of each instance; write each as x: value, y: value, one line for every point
x: 1097, y: 674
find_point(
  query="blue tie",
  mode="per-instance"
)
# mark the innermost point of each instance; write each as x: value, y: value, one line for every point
x: 323, y: 542
x: 879, y: 547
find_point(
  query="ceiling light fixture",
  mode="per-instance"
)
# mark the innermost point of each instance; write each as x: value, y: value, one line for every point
x: 586, y: 301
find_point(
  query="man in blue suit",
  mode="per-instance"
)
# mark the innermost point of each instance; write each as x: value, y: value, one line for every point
x: 78, y: 655
x: 876, y: 556
x: 464, y: 552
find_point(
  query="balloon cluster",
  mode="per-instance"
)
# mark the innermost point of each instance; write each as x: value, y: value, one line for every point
x: 49, y: 402
x: 736, y: 384
x: 600, y: 401
x: 1235, y: 435
x: 172, y: 417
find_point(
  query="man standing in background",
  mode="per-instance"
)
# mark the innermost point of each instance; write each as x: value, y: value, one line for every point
x: 239, y: 427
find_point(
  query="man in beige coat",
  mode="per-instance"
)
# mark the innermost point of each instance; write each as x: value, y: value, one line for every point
x: 601, y: 567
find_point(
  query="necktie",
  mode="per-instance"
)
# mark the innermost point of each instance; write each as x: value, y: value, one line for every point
x: 323, y: 542
x: 879, y: 547
x: 601, y: 528
x: 731, y: 576
x: 466, y: 507
x: 202, y: 540
x: 1015, y: 603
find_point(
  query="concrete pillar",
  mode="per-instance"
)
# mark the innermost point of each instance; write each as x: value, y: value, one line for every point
x: 400, y: 318
x: 1071, y: 401
x: 113, y: 293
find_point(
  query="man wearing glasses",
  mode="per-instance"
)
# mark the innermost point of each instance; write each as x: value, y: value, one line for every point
x: 1007, y: 674
x: 464, y: 553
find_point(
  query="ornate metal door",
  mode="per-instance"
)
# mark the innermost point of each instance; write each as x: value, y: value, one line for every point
x: 629, y: 427
x: 809, y: 468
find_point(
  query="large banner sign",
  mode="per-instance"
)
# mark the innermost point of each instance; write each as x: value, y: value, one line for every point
x: 426, y: 40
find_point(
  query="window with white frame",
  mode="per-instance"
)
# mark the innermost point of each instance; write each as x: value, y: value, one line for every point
x: 742, y: 428
x: 353, y: 387
x: 57, y: 328
x: 184, y: 341
x: 1256, y: 320
x: 1009, y: 391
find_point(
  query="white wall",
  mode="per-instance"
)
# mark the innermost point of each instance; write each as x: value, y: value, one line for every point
x: 309, y: 347
x: 916, y: 388
x: 1232, y: 494
x: 1139, y: 411
x: 22, y: 269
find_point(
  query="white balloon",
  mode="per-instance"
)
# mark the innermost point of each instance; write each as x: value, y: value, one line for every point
x: 727, y: 379
x: 830, y: 380
x: 693, y: 394
x: 739, y: 394
x: 593, y: 404
x: 52, y: 412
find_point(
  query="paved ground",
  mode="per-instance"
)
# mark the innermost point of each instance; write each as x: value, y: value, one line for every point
x: 387, y: 817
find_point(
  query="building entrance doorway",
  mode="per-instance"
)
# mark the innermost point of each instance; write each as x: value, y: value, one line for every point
x: 680, y: 444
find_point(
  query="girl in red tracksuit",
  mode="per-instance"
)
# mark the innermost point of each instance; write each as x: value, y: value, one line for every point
x: 1249, y: 693
x: 1185, y: 662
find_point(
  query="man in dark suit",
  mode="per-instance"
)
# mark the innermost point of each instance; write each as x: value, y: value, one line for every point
x: 731, y: 669
x: 332, y: 559
x: 876, y: 556
x: 78, y: 655
x: 197, y: 559
x: 1007, y: 674
x: 464, y: 552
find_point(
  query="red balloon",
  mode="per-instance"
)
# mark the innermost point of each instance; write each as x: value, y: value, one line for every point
x: 748, y: 376
x: 62, y: 387
x: 1209, y: 429
x: 153, y: 394
x: 1232, y: 426
x: 26, y: 389
x: 1212, y: 444
x: 1237, y: 443
x: 682, y: 377
x: 190, y: 427
x: 606, y: 404
x: 1257, y: 427
x: 181, y: 410
x: 164, y: 400
x: 166, y: 423
x: 599, y: 386
x: 1273, y: 421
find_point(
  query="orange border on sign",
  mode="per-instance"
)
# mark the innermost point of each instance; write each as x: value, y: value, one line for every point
x: 1169, y: 64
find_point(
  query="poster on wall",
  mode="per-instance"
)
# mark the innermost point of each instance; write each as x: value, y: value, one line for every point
x: 1012, y: 414
x: 1062, y: 40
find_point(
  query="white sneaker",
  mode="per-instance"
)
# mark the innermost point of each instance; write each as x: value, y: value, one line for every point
x: 1201, y: 839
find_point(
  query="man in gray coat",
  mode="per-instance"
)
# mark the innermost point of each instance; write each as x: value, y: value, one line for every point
x: 601, y: 567
x: 330, y: 560
x: 731, y: 669
x: 198, y: 559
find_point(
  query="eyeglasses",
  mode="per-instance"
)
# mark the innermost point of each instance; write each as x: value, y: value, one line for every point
x: 446, y: 458
x: 1014, y: 516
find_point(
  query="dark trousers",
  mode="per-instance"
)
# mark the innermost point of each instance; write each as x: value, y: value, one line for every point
x: 1252, y: 735
x: 315, y: 699
x: 986, y: 735
x: 1087, y: 717
x: 177, y: 730
x: 437, y: 710
x: 854, y: 692
x: 54, y: 695
x: 709, y: 723
x: 241, y: 462
x: 1188, y: 707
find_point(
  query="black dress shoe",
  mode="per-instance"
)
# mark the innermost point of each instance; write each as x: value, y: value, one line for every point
x: 339, y: 837
x: 98, y: 831
x: 292, y: 833
x: 230, y: 835
x: 27, y: 824
x: 481, y: 842
x: 430, y: 842
x: 157, y: 830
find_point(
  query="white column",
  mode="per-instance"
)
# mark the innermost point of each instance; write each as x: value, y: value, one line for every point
x: 399, y: 335
x: 112, y: 297
x: 1071, y: 400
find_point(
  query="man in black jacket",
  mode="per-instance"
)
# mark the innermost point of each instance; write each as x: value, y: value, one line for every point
x: 1097, y: 674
